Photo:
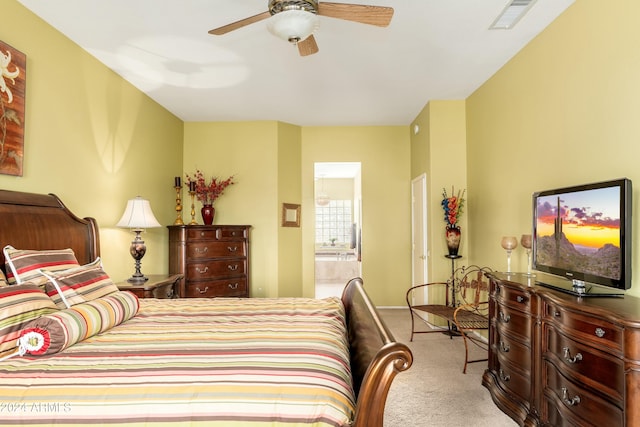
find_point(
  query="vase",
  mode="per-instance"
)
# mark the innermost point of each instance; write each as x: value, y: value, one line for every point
x: 452, y: 235
x: 207, y: 212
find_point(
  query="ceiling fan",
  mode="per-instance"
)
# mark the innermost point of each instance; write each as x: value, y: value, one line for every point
x: 296, y: 20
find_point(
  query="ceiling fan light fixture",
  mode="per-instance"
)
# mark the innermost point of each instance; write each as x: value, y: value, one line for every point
x: 293, y: 25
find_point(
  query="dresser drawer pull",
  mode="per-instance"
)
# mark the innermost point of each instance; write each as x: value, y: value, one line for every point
x: 232, y: 249
x: 233, y: 233
x: 204, y: 251
x: 568, y: 358
x: 565, y: 398
x: 599, y: 332
x: 504, y: 347
x: 504, y: 377
x: 232, y: 267
x: 233, y: 286
x: 556, y: 314
x: 520, y: 299
x: 204, y: 291
x: 505, y: 317
x: 204, y: 270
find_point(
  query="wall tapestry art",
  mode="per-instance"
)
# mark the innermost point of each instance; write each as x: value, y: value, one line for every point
x: 13, y: 81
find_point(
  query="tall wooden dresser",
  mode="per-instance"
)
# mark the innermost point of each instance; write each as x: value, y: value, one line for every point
x: 560, y: 360
x: 214, y: 260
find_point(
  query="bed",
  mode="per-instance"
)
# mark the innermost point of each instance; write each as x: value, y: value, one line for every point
x: 227, y: 362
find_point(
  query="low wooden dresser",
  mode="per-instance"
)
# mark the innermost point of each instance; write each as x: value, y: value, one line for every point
x: 560, y: 360
x: 214, y: 260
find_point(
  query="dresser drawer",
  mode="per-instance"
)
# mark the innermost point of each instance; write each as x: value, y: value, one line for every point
x: 514, y: 324
x: 211, y: 269
x: 219, y: 233
x: 513, y: 381
x: 568, y: 404
x: 585, y: 364
x: 598, y: 332
x: 217, y: 288
x: 512, y: 297
x: 214, y: 249
x: 513, y: 351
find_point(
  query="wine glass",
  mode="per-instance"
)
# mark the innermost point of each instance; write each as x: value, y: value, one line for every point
x: 525, y: 241
x: 509, y: 243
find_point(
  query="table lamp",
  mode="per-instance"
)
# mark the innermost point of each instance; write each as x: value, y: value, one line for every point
x: 137, y: 216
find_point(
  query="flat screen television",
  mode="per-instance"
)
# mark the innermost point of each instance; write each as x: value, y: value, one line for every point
x: 582, y: 238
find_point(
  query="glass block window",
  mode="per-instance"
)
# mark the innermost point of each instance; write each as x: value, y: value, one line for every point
x: 334, y: 221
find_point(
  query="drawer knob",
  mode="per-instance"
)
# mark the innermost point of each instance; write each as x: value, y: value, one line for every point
x: 233, y: 286
x: 204, y: 291
x: 204, y: 270
x: 520, y: 299
x: 556, y: 313
x: 232, y: 267
x: 565, y: 398
x: 503, y: 376
x: 599, y: 332
x: 505, y: 317
x: 568, y: 358
x: 204, y: 250
x: 504, y: 347
x: 232, y: 249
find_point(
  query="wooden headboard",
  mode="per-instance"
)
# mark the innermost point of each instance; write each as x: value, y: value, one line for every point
x: 42, y: 221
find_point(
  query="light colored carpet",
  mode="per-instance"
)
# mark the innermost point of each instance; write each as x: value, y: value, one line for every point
x: 434, y: 391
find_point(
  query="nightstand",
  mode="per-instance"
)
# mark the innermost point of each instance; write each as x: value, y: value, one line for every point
x: 160, y: 286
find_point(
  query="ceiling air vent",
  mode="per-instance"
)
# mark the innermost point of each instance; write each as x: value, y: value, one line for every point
x: 511, y: 14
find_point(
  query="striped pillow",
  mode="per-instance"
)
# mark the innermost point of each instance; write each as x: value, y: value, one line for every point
x: 20, y: 304
x: 54, y: 332
x: 77, y: 285
x: 3, y: 279
x: 24, y: 265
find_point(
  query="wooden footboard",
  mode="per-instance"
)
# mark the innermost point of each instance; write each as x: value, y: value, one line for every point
x: 376, y: 358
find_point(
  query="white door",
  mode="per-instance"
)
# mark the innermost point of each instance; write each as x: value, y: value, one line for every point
x: 419, y: 251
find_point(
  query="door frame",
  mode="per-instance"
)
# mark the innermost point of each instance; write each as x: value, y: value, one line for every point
x: 419, y: 215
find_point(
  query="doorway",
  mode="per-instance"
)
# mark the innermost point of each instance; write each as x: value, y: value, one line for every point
x: 338, y: 226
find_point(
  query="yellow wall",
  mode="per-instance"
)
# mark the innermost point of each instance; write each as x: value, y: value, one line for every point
x: 564, y: 111
x: 93, y: 139
x: 438, y: 149
x: 386, y: 220
x: 289, y: 191
x: 249, y: 151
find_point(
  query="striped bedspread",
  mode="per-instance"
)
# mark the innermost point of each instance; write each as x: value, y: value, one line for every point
x: 198, y: 362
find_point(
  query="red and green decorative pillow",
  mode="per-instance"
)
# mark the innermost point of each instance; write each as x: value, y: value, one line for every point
x: 54, y: 332
x: 19, y: 305
x: 77, y: 285
x: 24, y: 265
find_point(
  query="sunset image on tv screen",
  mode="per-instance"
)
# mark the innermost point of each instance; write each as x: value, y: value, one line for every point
x: 580, y: 231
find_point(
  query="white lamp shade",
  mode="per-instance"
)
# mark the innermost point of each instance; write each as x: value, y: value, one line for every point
x: 138, y: 215
x: 293, y: 25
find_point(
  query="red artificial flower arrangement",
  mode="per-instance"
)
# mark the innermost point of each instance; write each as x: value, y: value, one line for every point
x: 207, y: 193
x: 452, y: 206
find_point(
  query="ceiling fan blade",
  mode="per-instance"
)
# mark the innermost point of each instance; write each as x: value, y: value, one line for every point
x: 239, y: 24
x: 308, y: 46
x: 372, y: 15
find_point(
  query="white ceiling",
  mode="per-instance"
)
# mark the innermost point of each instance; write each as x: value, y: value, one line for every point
x: 362, y: 75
